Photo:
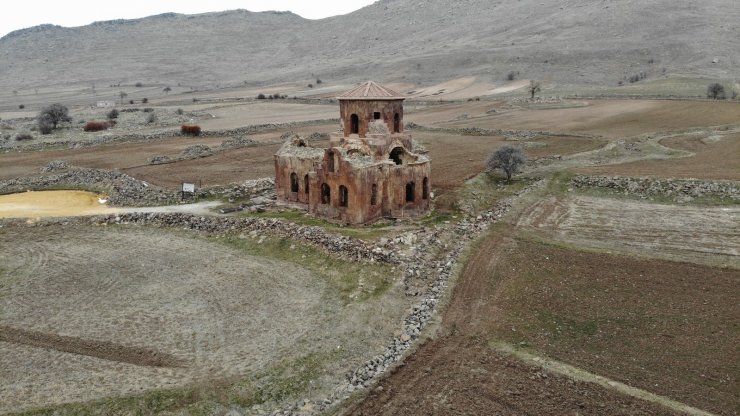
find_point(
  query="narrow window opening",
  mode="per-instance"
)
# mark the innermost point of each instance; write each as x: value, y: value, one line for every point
x: 396, y: 155
x: 410, y: 191
x: 425, y: 189
x: 293, y: 182
x: 374, y: 195
x: 325, y: 194
x: 354, y: 122
x: 305, y: 184
x: 376, y: 115
x: 330, y: 163
x: 396, y: 123
x: 343, y: 196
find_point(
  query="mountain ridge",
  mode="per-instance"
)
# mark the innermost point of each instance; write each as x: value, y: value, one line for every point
x: 568, y: 41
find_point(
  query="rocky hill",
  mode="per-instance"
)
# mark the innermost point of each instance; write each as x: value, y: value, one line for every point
x: 419, y: 41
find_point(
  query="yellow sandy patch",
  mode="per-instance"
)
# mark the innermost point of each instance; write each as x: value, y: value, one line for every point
x: 51, y: 204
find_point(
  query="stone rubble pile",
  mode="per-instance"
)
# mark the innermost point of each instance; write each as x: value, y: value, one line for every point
x: 679, y: 189
x: 342, y: 246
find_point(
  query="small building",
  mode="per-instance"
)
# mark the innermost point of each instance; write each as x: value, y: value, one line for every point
x: 371, y: 169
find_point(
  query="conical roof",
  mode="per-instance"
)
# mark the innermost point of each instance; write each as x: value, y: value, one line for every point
x: 370, y: 91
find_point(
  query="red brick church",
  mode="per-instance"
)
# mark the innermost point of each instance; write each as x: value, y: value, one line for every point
x: 371, y: 169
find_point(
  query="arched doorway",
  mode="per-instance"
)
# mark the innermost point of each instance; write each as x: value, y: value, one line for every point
x: 354, y: 124
x: 305, y: 184
x: 410, y: 192
x: 293, y: 182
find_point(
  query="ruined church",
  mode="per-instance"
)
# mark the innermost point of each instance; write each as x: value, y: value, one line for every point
x: 371, y: 169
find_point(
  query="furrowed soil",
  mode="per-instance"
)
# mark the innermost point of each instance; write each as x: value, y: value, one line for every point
x: 680, y: 232
x: 96, y: 312
x: 662, y: 326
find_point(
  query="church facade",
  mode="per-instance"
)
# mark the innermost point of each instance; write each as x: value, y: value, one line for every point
x: 371, y: 169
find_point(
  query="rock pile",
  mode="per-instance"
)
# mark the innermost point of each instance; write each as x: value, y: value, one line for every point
x: 679, y: 189
x: 55, y: 166
x: 197, y: 150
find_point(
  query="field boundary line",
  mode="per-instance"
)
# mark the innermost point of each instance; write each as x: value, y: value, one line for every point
x: 579, y: 374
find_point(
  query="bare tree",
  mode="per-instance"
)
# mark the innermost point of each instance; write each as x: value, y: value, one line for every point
x: 123, y: 95
x: 716, y: 91
x: 51, y: 116
x: 507, y: 158
x: 167, y: 90
x: 534, y: 88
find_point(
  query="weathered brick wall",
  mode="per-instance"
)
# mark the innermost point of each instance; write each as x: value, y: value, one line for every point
x: 365, y: 111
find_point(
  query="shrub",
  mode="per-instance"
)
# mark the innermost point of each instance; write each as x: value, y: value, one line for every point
x: 151, y: 118
x: 716, y: 91
x: 144, y: 100
x: 190, y: 129
x: 130, y: 101
x: 95, y: 126
x: 22, y: 106
x: 511, y: 76
x: 23, y: 136
x: 139, y: 84
x: 310, y: 85
x: 112, y: 114
x: 167, y: 90
x: 147, y: 109
x: 261, y: 96
x: 179, y: 111
x: 318, y: 81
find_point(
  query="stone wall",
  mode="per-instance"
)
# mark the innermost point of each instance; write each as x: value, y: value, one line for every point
x: 681, y: 190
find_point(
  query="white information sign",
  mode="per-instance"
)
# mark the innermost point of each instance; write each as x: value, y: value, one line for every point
x: 188, y: 187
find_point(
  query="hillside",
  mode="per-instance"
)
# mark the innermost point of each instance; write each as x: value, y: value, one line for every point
x: 418, y: 41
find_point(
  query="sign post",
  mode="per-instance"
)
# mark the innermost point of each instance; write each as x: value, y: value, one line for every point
x: 188, y: 188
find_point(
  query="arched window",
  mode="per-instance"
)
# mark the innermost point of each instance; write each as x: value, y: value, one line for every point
x: 354, y: 122
x: 293, y: 182
x: 425, y: 189
x: 410, y: 191
x: 305, y: 184
x: 325, y: 194
x: 396, y: 123
x: 395, y: 155
x: 374, y: 195
x: 343, y: 196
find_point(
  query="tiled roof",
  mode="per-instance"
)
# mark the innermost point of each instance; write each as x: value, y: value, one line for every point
x: 370, y: 91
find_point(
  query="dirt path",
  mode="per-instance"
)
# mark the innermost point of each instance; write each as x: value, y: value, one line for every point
x: 99, y: 349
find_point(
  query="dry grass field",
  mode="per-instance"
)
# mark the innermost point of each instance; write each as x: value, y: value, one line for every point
x: 120, y: 311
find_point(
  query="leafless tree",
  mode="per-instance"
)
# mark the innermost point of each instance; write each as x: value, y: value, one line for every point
x: 716, y: 91
x: 534, y: 88
x: 507, y: 158
x: 123, y: 95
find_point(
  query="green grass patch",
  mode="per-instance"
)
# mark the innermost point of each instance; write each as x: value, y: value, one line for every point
x: 354, y: 281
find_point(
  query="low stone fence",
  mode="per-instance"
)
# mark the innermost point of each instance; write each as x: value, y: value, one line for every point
x: 679, y: 189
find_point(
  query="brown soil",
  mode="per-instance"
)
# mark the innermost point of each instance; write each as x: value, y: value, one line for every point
x: 459, y: 374
x: 99, y: 349
x: 712, y: 159
x: 612, y: 118
x: 662, y: 326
